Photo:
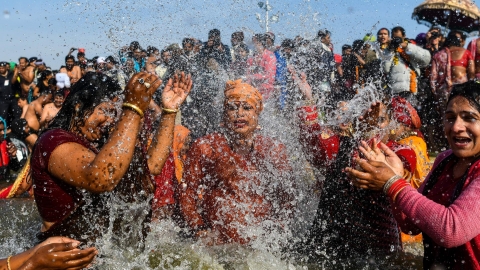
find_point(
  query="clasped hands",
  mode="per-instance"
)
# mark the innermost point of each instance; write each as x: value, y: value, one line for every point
x: 377, y: 165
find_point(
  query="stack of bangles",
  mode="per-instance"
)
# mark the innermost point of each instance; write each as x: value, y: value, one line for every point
x: 394, y: 185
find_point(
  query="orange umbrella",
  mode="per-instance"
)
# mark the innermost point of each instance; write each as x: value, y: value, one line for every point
x: 452, y: 14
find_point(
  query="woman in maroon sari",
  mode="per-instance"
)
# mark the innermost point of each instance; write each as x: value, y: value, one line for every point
x: 236, y: 181
x: 89, y: 157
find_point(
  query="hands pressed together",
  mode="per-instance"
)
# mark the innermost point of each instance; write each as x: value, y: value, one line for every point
x: 378, y: 165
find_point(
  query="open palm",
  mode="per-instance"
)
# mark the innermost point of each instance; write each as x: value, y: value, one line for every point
x: 176, y: 91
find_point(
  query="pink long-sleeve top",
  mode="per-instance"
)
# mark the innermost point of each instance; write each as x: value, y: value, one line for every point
x: 261, y: 71
x: 454, y: 228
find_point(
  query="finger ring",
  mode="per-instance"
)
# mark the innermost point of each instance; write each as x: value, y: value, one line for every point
x: 141, y: 81
x: 372, y: 153
x: 147, y: 85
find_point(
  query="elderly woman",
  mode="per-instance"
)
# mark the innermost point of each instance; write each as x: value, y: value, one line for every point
x: 93, y: 157
x: 445, y: 209
x: 236, y: 179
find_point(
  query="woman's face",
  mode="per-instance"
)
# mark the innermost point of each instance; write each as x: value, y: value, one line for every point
x: 241, y: 118
x: 382, y: 36
x: 462, y: 128
x: 100, y: 123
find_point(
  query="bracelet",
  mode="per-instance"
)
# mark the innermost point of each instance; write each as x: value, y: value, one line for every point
x: 169, y: 110
x: 397, y: 187
x: 396, y: 194
x: 8, y: 263
x: 390, y: 182
x: 133, y: 107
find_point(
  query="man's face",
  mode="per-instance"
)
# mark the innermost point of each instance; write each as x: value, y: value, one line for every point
x: 58, y: 101
x: 137, y: 54
x: 3, y: 70
x: 188, y: 48
x: 397, y: 33
x: 347, y: 51
x: 22, y: 63
x: 101, y: 66
x: 129, y: 65
x: 166, y: 56
x: 22, y: 102
x: 326, y: 40
x: 41, y: 67
x: 269, y: 42
x: 234, y: 41
x: 69, y: 63
x: 287, y: 51
x: 110, y: 65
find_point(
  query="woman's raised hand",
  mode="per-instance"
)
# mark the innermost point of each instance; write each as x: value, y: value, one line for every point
x: 301, y: 82
x: 379, y: 166
x: 372, y: 115
x: 140, y: 89
x: 386, y: 155
x: 176, y: 91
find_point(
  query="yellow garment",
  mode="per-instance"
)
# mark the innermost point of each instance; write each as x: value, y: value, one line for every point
x: 180, y: 134
x: 423, y: 168
x: 423, y: 165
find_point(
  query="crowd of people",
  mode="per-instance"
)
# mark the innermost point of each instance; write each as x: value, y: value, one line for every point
x: 176, y: 131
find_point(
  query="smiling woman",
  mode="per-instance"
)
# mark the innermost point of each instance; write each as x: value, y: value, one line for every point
x: 90, y: 150
x: 446, y: 208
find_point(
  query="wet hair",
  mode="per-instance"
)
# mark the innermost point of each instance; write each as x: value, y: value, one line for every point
x: 59, y: 93
x: 23, y: 57
x: 186, y: 41
x: 346, y: 47
x: 135, y: 45
x: 452, y: 39
x: 288, y: 43
x: 462, y: 34
x: 91, y: 90
x: 52, y: 81
x: 44, y: 74
x: 399, y: 28
x: 151, y: 50
x: 262, y: 38
x: 68, y: 57
x: 242, y: 46
x: 214, y: 33
x: 357, y: 45
x: 388, y: 31
x: 323, y: 33
x: 469, y: 90
x: 238, y: 36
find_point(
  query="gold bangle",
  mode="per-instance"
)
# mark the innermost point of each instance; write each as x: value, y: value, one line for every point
x: 133, y: 107
x: 169, y: 110
x: 8, y: 263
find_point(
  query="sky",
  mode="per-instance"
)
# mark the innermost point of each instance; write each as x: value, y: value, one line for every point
x: 48, y: 29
